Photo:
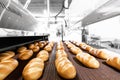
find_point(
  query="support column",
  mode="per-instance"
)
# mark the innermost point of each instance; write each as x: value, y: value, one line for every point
x: 85, y: 34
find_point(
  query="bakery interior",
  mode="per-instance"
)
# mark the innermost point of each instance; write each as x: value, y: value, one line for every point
x: 59, y: 40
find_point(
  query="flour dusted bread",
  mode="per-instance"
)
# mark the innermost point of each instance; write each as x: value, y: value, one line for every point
x: 6, y: 67
x: 33, y: 70
x: 65, y: 68
x: 114, y: 62
x: 44, y: 55
x: 6, y: 55
x: 88, y: 60
x: 25, y: 55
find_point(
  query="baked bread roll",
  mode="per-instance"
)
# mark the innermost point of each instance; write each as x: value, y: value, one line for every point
x: 36, y: 49
x: 6, y: 55
x: 83, y: 46
x: 114, y: 62
x: 60, y: 47
x: 20, y: 49
x: 41, y: 45
x: 48, y: 48
x: 75, y: 50
x: 6, y: 67
x: 31, y: 46
x: 88, y: 60
x: 70, y: 45
x: 61, y: 53
x: 98, y: 53
x: 88, y: 48
x: 51, y: 44
x: 44, y: 55
x: 33, y: 70
x: 25, y: 55
x: 65, y: 68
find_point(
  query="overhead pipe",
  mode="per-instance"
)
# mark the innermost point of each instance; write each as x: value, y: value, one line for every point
x: 27, y: 4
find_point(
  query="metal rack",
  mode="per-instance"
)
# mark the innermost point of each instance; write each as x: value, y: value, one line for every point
x: 9, y: 43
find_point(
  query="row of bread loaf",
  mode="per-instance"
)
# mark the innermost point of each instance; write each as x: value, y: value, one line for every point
x: 34, y: 69
x: 26, y: 53
x: 9, y: 64
x: 113, y: 61
x: 36, y: 46
x: 64, y: 66
x: 94, y: 51
x: 84, y: 58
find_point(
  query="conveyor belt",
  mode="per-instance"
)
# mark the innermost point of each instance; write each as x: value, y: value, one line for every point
x: 105, y: 72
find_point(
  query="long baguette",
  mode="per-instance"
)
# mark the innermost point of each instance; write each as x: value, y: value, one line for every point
x: 6, y: 55
x: 61, y: 53
x: 88, y: 60
x: 75, y: 50
x: 6, y: 67
x: 114, y: 62
x: 98, y: 53
x: 44, y: 55
x: 65, y: 68
x: 25, y: 55
x: 33, y: 70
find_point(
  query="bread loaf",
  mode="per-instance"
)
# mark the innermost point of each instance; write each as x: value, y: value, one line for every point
x: 65, y: 68
x: 25, y: 55
x: 83, y: 46
x: 6, y: 55
x: 61, y: 53
x: 6, y: 67
x: 41, y: 45
x: 36, y: 49
x: 33, y: 70
x: 51, y: 44
x: 88, y: 60
x: 75, y: 50
x: 31, y: 46
x: 20, y: 49
x: 70, y: 45
x: 114, y: 62
x: 48, y: 48
x: 44, y: 55
x: 60, y: 47
x: 98, y: 53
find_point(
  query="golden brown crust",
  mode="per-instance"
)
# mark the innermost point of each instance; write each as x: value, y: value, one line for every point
x: 114, y: 62
x: 33, y: 70
x: 25, y: 55
x: 6, y: 55
x: 6, y: 67
x: 88, y: 60
x: 44, y: 55
x: 65, y: 68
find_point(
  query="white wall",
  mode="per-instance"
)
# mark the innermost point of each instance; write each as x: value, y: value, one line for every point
x: 109, y: 28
